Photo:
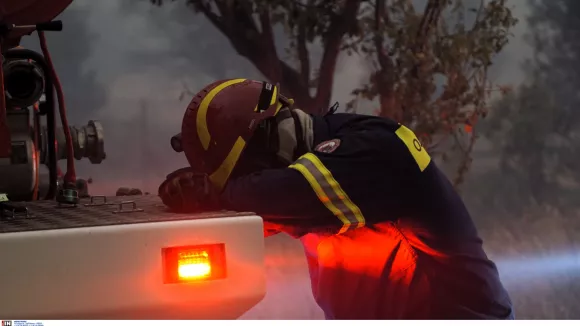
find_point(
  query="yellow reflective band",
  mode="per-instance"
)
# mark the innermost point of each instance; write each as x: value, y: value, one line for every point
x: 336, y: 187
x: 201, y: 118
x: 272, y: 101
x: 329, y: 192
x: 278, y: 107
x: 415, y: 147
x: 222, y: 173
x: 274, y: 95
x: 322, y: 196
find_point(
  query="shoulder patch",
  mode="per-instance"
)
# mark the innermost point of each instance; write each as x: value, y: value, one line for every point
x: 328, y: 146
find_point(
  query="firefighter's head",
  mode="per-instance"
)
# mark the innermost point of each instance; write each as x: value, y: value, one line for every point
x: 238, y: 126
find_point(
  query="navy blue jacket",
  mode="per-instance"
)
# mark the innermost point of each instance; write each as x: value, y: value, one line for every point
x: 385, y: 233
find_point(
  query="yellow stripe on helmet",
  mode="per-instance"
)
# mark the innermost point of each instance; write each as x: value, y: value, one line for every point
x: 272, y: 101
x: 201, y: 118
x: 220, y: 176
x: 222, y: 173
x: 274, y: 96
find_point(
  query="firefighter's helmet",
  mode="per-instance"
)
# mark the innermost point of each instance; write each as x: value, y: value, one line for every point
x: 221, y: 119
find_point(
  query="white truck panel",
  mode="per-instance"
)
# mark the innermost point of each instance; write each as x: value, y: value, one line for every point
x: 115, y: 271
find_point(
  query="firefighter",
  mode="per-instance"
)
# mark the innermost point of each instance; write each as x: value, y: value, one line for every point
x: 385, y: 234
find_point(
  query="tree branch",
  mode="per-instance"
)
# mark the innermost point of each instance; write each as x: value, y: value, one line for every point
x: 478, y: 15
x: 269, y: 47
x: 239, y: 27
x: 384, y: 77
x: 301, y: 48
x: 428, y: 22
x: 214, y: 19
x: 384, y: 62
x: 338, y: 28
x: 295, y: 88
x: 303, y: 54
x: 238, y: 30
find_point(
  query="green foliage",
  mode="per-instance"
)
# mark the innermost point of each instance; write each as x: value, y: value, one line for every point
x: 450, y: 45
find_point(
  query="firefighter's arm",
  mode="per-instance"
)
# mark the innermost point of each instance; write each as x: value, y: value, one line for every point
x: 279, y: 195
x: 293, y: 199
x: 328, y: 188
x: 185, y: 191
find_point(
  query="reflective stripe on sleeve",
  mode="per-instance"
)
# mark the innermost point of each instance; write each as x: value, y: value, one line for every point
x: 329, y: 192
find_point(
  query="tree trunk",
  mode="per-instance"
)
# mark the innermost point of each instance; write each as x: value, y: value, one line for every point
x: 257, y: 45
x: 389, y: 106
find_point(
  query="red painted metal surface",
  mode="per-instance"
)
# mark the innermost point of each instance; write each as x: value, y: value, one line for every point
x: 22, y: 12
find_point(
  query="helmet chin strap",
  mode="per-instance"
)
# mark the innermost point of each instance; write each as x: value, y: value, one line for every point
x: 286, y: 142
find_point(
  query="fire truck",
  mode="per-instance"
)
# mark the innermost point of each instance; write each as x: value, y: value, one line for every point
x: 66, y: 256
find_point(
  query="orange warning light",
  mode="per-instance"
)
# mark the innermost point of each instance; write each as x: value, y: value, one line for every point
x: 194, y: 263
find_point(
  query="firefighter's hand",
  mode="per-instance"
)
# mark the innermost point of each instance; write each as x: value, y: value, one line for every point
x: 185, y: 191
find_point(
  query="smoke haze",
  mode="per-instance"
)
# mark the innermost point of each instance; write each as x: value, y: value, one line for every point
x: 126, y: 63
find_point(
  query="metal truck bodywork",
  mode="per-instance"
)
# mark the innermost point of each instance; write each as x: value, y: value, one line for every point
x: 105, y: 261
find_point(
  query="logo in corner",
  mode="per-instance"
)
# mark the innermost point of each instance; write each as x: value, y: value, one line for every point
x: 328, y: 146
x: 7, y: 323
